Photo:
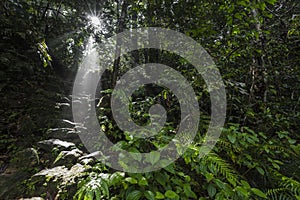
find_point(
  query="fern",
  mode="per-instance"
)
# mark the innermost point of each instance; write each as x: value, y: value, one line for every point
x: 94, y: 187
x: 224, y: 168
x: 279, y: 149
x: 279, y: 193
x: 225, y: 144
x: 288, y: 187
x: 291, y: 184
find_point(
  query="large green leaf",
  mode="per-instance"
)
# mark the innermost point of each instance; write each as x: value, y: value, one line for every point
x: 211, y: 190
x: 153, y: 157
x: 134, y: 195
x: 171, y: 194
x: 149, y: 195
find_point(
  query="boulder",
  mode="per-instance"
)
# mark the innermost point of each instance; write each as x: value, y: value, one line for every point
x: 68, y: 158
x: 58, y: 180
x: 89, y: 158
x: 49, y: 145
x: 65, y: 134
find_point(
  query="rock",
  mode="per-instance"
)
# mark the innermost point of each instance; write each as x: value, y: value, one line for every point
x: 32, y: 198
x: 75, y: 171
x: 53, y: 173
x: 49, y: 145
x: 87, y: 161
x: 65, y: 134
x: 58, y: 179
x: 68, y: 158
x: 47, y: 181
x: 89, y: 158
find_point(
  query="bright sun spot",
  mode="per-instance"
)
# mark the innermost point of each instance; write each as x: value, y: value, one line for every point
x: 95, y: 21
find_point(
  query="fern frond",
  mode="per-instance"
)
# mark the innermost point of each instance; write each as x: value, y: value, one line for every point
x: 225, y: 144
x: 223, y: 167
x: 279, y: 149
x: 291, y: 184
x: 94, y: 187
x: 279, y: 193
x: 288, y: 187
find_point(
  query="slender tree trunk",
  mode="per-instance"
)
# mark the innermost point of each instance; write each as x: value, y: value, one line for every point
x: 135, y: 54
x: 120, y: 28
x: 258, y: 69
x: 258, y: 88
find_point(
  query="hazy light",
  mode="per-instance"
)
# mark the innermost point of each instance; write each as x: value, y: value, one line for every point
x: 90, y: 46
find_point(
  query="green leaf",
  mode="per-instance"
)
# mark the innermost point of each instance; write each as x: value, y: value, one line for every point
x: 149, y: 195
x: 104, y: 187
x: 136, y: 156
x: 165, y: 94
x: 271, y: 1
x: 143, y: 182
x: 171, y: 194
x: 245, y: 184
x: 259, y: 193
x: 260, y: 170
x: 238, y: 16
x: 231, y: 138
x: 242, y: 3
x: 211, y: 190
x: 209, y: 177
x: 269, y: 15
x: 292, y: 141
x: 242, y: 190
x: 98, y: 194
x: 153, y: 157
x: 131, y: 180
x: 188, y: 191
x: 134, y: 195
x: 170, y: 168
x: 162, y: 178
x: 159, y: 195
x: 275, y: 165
x: 219, y: 183
x: 89, y: 195
x: 117, y: 177
x: 60, y: 155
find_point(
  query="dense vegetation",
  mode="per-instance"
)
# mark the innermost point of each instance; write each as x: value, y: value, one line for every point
x: 256, y: 46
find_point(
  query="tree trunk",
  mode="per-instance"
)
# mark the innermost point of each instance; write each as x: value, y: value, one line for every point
x: 120, y: 28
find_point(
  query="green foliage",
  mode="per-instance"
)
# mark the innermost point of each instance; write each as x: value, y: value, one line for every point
x: 95, y: 186
x: 259, y: 141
